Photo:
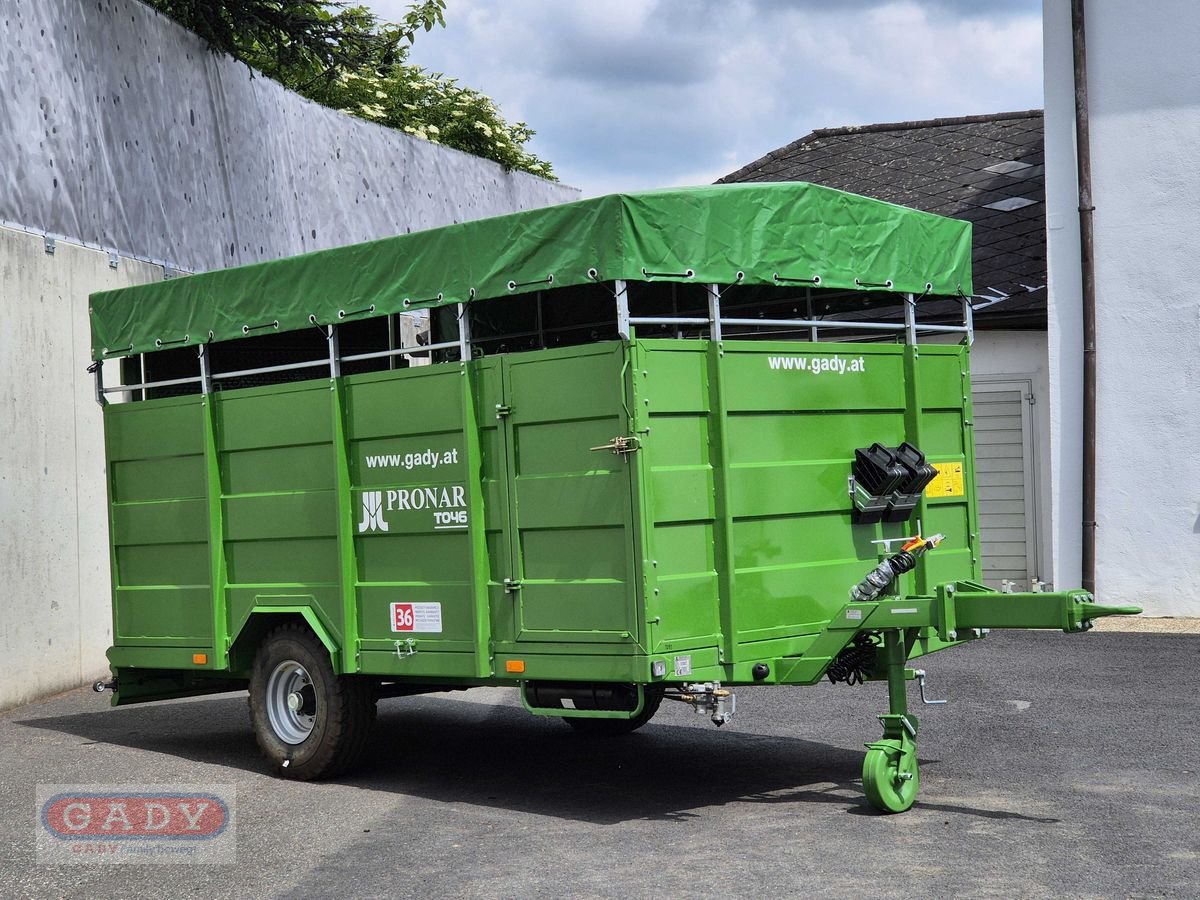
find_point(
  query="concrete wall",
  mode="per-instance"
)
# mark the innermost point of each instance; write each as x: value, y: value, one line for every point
x: 1144, y: 86
x: 56, y: 622
x: 119, y: 128
x: 120, y: 131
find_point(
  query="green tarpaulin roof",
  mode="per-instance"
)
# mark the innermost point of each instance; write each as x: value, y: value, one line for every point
x: 769, y: 232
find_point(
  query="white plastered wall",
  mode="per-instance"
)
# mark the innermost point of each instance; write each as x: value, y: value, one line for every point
x: 1144, y: 102
x: 1022, y: 356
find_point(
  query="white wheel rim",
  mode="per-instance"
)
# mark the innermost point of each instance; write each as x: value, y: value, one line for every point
x: 291, y: 702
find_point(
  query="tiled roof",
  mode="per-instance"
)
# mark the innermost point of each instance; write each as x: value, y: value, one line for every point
x: 988, y: 170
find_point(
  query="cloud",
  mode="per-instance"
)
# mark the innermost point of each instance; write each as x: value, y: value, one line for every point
x: 629, y: 94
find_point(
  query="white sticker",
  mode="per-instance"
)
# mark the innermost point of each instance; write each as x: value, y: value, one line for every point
x: 854, y: 614
x: 417, y: 617
x: 683, y: 665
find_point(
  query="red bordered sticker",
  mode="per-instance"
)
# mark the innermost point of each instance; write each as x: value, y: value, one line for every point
x: 417, y: 617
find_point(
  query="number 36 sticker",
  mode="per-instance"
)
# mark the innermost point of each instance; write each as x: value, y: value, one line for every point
x: 417, y: 617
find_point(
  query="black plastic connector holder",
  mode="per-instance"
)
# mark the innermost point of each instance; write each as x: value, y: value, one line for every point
x: 877, y: 475
x: 917, y: 475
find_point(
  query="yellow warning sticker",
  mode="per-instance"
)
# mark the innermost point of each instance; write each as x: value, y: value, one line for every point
x: 949, y: 481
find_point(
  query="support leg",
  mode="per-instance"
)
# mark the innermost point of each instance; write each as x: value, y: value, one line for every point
x: 890, y: 777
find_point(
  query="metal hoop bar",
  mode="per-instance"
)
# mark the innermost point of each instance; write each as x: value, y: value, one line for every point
x: 968, y: 318
x: 335, y: 350
x: 402, y: 351
x: 241, y: 373
x: 783, y: 279
x: 910, y: 319
x: 186, y: 339
x: 815, y: 323
x: 150, y: 384
x: 97, y: 369
x: 947, y: 329
x: 622, y: 297
x: 205, y: 370
x: 464, y: 334
x: 714, y: 310
x: 873, y: 284
x: 669, y: 320
x: 246, y: 329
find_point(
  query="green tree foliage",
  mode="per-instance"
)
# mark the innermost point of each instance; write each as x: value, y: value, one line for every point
x: 342, y: 56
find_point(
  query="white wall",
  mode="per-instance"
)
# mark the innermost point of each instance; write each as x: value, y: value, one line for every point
x: 1144, y: 87
x: 1021, y: 356
x: 55, y: 622
x: 1065, y: 319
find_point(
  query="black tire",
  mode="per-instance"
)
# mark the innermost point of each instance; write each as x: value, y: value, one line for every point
x: 614, y: 727
x: 326, y: 731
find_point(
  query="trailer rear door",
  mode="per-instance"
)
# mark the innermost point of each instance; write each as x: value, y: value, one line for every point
x: 568, y: 529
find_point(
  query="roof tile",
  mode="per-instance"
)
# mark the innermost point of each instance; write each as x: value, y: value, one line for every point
x: 942, y: 166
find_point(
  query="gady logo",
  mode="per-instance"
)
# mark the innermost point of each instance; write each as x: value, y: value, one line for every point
x: 134, y: 816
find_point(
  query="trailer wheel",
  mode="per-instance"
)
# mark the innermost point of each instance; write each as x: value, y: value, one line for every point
x: 614, y: 727
x: 308, y: 721
x: 890, y: 775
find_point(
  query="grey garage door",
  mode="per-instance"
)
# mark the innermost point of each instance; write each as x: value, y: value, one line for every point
x: 1004, y: 460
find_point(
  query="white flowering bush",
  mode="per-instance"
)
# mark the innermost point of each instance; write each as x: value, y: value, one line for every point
x: 342, y: 56
x: 435, y: 108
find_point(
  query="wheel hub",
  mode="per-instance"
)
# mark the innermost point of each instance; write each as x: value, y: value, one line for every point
x: 291, y: 702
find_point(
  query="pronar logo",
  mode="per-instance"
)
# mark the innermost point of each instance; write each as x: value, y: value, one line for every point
x: 372, y: 512
x: 447, y: 506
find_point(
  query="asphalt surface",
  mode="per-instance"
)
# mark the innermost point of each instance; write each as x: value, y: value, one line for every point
x: 1063, y: 766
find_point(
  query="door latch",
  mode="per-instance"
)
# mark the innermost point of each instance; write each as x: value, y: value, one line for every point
x: 502, y: 410
x: 511, y: 586
x: 621, y: 444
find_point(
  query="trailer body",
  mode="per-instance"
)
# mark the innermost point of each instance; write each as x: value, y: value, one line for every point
x: 473, y: 503
x: 668, y: 503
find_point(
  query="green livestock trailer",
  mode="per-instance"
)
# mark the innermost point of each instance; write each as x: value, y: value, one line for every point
x: 655, y: 446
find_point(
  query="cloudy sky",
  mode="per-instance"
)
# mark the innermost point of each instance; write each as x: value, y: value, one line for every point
x: 628, y: 94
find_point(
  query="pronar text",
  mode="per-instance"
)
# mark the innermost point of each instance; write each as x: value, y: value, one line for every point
x: 819, y: 365
x: 448, y: 506
x: 427, y: 459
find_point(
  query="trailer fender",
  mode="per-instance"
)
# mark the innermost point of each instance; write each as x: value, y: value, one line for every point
x: 263, y: 618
